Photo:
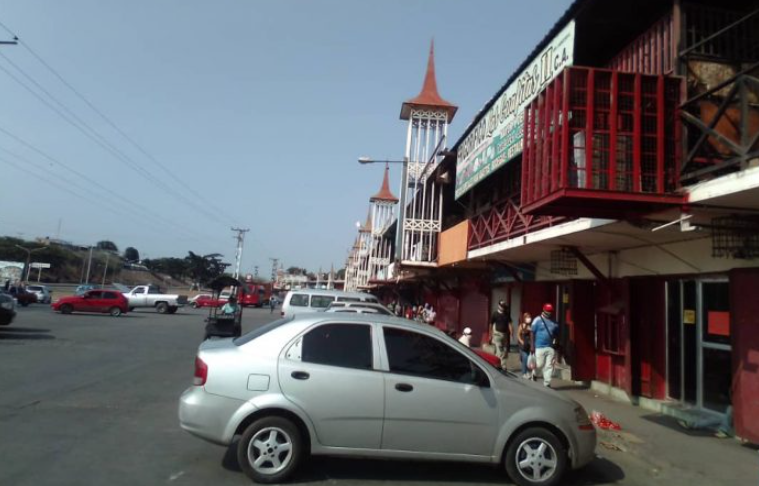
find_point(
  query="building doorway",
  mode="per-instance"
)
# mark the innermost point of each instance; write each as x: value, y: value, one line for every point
x: 699, y: 354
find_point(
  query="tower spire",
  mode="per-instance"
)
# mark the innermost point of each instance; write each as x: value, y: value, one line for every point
x: 429, y: 96
x: 384, y: 193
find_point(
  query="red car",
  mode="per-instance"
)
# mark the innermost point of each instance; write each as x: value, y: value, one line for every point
x: 490, y: 358
x: 104, y: 301
x: 208, y: 301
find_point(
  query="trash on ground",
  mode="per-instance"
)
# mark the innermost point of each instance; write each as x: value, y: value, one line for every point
x: 601, y: 421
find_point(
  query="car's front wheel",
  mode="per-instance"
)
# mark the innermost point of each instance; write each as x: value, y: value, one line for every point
x: 536, y: 457
x: 162, y: 307
x: 66, y: 309
x: 114, y: 311
x: 270, y: 450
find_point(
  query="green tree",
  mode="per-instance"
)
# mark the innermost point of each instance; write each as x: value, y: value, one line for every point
x: 131, y: 255
x: 107, y: 245
x: 204, y: 268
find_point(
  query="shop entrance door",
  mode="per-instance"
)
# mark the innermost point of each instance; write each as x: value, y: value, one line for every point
x: 699, y: 360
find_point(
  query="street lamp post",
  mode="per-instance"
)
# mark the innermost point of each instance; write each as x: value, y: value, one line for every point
x: 402, y: 203
x: 29, y: 252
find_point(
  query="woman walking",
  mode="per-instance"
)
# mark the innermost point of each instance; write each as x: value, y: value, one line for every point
x: 524, y: 336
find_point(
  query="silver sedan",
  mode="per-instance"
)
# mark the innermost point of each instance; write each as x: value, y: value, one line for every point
x: 376, y: 386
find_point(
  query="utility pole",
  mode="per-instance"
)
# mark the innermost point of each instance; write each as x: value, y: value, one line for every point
x: 89, y: 267
x: 240, y: 237
x: 274, y: 262
x: 29, y: 252
x: 107, y: 257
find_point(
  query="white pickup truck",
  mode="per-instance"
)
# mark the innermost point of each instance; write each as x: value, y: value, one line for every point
x: 151, y: 296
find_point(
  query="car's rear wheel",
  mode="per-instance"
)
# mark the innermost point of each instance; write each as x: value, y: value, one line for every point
x: 270, y: 450
x: 536, y: 457
x: 66, y: 309
x: 114, y: 311
x: 162, y: 307
x: 195, y: 305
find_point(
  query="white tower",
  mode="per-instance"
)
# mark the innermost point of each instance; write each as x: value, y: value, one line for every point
x: 428, y: 117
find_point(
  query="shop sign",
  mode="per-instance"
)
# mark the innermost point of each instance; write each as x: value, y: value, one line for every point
x: 497, y: 137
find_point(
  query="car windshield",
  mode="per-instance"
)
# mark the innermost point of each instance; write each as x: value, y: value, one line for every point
x: 245, y: 339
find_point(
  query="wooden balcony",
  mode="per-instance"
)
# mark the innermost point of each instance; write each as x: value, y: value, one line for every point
x: 629, y: 122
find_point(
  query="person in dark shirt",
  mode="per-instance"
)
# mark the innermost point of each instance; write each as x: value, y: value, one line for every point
x: 501, y: 331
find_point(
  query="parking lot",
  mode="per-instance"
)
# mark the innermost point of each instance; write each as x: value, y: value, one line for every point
x: 91, y: 399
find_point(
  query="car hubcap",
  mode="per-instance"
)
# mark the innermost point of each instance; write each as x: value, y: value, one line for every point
x: 270, y: 450
x: 536, y: 460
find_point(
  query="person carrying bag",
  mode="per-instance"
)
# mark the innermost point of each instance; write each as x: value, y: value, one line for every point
x: 544, y: 340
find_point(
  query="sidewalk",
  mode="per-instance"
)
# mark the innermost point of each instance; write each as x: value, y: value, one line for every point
x: 652, y: 448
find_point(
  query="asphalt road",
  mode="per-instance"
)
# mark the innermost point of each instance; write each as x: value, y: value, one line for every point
x: 91, y: 400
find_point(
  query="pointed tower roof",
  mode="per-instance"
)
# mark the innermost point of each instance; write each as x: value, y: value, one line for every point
x: 367, y: 227
x: 428, y: 97
x: 384, y: 193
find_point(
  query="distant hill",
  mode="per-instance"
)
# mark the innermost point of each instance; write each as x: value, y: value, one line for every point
x: 68, y: 264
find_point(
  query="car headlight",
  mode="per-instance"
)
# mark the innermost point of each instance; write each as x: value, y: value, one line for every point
x: 7, y: 305
x: 582, y: 418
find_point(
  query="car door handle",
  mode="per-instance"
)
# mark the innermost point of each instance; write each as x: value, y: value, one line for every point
x: 300, y: 375
x: 404, y: 387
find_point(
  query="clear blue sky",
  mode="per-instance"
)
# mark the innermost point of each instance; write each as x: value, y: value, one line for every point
x: 261, y: 107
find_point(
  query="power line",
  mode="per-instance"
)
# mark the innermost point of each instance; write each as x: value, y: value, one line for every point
x: 100, y: 113
x: 129, y: 204
x: 114, y: 126
x: 93, y: 135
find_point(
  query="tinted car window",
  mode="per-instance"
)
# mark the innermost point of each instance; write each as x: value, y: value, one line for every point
x: 412, y: 353
x: 299, y: 300
x: 95, y: 294
x: 321, y: 301
x: 345, y: 345
x: 261, y: 331
x: 109, y: 295
x: 348, y: 299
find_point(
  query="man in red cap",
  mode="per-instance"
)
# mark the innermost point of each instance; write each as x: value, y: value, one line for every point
x: 544, y: 334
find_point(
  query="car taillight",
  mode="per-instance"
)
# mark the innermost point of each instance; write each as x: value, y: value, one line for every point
x: 201, y: 372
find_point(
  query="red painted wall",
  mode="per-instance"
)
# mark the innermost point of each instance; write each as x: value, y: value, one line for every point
x: 648, y: 337
x: 475, y: 309
x: 447, y: 311
x: 744, y: 328
x: 613, y: 303
x: 583, y: 329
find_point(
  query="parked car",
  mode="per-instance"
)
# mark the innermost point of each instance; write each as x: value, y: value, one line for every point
x: 152, y: 296
x: 191, y: 301
x: 315, y: 300
x: 23, y: 297
x: 103, y: 301
x: 44, y: 295
x: 210, y: 301
x: 7, y: 308
x: 376, y: 386
x: 81, y: 289
x: 368, y: 306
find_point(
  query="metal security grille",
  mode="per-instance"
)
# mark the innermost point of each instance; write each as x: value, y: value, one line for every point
x: 735, y: 237
x: 598, y: 134
x: 563, y: 262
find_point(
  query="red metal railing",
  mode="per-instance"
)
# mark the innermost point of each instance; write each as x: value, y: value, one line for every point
x: 504, y: 221
x: 627, y: 119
